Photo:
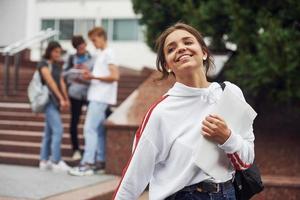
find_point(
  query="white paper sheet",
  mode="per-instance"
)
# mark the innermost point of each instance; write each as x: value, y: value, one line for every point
x: 239, y: 117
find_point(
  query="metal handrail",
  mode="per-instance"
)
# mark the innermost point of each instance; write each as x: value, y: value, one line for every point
x: 20, y: 45
x: 15, y: 48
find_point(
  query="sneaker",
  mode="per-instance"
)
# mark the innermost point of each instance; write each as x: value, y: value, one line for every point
x: 45, y: 165
x: 99, y: 167
x: 82, y: 170
x: 61, y: 166
x: 76, y: 155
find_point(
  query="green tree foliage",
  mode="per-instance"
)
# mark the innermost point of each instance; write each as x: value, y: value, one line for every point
x: 157, y: 16
x: 266, y: 63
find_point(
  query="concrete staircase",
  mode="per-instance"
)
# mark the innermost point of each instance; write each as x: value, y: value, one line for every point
x: 21, y: 130
x: 21, y: 133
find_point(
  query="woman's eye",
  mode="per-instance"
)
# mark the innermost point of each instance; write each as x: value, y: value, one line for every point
x: 188, y: 43
x: 170, y: 49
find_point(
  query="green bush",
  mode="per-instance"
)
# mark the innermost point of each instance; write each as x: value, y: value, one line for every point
x: 268, y: 39
x: 266, y: 63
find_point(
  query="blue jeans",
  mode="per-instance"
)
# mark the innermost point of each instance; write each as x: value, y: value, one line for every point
x: 53, y: 132
x: 224, y: 194
x: 94, y: 133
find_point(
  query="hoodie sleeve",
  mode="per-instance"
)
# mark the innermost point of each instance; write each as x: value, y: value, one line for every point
x: 140, y: 167
x: 240, y: 150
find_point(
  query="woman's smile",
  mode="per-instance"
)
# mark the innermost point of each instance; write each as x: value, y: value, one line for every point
x: 183, y: 57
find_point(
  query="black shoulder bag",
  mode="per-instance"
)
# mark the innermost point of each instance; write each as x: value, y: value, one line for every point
x: 246, y: 182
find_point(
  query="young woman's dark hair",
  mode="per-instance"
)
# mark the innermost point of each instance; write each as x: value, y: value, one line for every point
x: 51, y: 46
x: 160, y: 43
x: 77, y: 40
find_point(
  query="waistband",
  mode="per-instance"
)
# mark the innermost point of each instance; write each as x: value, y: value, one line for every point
x: 205, y: 186
x: 210, y: 187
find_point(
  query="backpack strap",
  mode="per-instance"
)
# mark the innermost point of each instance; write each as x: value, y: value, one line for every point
x: 40, y: 73
x: 70, y: 62
x: 223, y: 85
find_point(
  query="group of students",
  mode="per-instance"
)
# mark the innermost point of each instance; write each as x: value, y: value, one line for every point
x: 83, y: 80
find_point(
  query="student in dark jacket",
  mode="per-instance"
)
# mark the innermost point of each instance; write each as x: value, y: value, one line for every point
x: 77, y: 87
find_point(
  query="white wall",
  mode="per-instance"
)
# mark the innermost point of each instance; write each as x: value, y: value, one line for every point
x: 134, y: 54
x: 13, y: 21
x: 89, y: 9
x: 31, y: 18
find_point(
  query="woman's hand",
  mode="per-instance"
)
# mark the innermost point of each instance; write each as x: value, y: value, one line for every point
x: 215, y: 129
x: 86, y: 75
x: 68, y: 103
x: 64, y: 105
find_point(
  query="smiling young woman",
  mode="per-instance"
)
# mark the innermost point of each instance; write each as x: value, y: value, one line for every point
x: 190, y: 38
x: 176, y: 124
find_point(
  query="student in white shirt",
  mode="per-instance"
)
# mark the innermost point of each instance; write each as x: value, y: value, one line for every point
x: 174, y: 125
x: 102, y: 93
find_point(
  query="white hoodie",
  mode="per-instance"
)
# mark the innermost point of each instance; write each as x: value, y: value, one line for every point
x: 166, y: 139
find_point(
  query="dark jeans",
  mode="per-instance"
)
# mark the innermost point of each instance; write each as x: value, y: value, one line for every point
x: 76, y: 107
x: 224, y: 194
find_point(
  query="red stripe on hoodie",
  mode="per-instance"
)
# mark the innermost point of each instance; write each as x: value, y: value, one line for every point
x: 137, y: 138
x: 237, y: 157
x: 234, y: 162
x: 237, y: 162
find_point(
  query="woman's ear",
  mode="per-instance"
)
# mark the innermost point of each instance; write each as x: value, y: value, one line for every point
x: 204, y: 55
x: 169, y: 70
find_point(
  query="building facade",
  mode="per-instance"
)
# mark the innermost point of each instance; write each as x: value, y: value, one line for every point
x: 72, y: 17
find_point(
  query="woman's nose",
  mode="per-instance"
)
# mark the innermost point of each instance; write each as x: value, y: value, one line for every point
x: 181, y: 48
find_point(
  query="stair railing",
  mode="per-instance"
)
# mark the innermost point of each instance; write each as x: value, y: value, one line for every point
x: 15, y: 49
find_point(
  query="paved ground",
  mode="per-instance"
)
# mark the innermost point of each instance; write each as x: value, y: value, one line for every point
x: 32, y: 183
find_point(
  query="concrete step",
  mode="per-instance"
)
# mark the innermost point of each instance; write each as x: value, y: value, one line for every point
x: 23, y: 99
x: 31, y: 126
x: 26, y: 116
x: 122, y: 84
x: 28, y: 159
x: 26, y: 77
x: 14, y: 99
x: 279, y: 187
x: 25, y: 107
x: 13, y: 106
x: 122, y: 90
x: 22, y: 92
x: 30, y: 147
x: 31, y: 136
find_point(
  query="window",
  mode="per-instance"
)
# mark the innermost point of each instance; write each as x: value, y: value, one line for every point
x: 122, y: 29
x: 48, y: 23
x: 125, y: 29
x: 117, y: 29
x: 105, y: 24
x: 66, y: 29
